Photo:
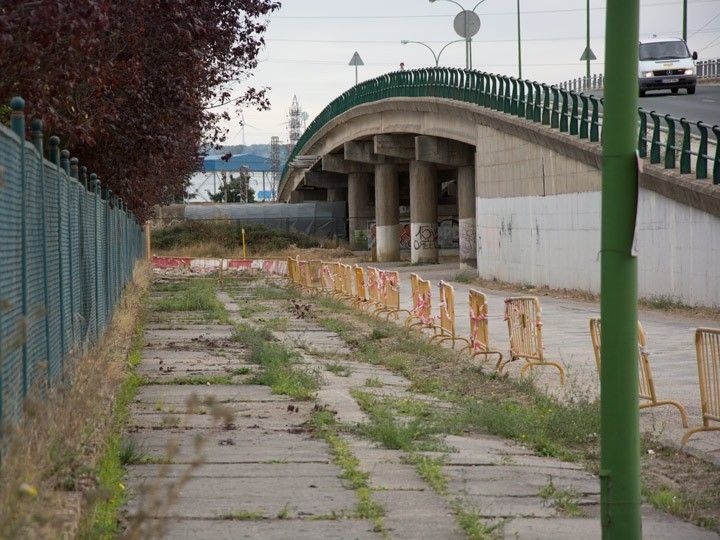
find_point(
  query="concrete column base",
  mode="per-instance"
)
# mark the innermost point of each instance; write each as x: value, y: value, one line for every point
x: 424, y: 243
x: 468, y: 243
x: 387, y: 242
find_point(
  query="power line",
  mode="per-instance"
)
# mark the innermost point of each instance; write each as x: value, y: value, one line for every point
x: 486, y: 14
x: 514, y: 40
x: 704, y: 25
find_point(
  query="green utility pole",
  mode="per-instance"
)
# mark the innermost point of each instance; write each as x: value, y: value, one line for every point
x: 519, y: 48
x: 619, y: 417
x: 587, y: 41
x: 685, y: 21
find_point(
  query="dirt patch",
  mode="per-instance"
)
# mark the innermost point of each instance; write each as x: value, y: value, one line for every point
x: 659, y: 304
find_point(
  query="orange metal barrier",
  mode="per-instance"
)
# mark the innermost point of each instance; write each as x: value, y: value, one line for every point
x: 707, y: 349
x: 646, y: 384
x: 522, y: 314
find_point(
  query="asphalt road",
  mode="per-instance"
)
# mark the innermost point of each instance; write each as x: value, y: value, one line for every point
x: 704, y: 105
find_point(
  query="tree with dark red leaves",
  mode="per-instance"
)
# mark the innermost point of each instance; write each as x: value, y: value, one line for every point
x: 132, y: 87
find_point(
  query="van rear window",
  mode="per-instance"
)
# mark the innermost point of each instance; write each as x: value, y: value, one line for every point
x: 663, y: 50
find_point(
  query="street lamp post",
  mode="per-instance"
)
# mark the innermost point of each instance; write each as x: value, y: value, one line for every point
x: 467, y: 24
x: 519, y: 49
x: 619, y: 419
x: 436, y: 56
x: 685, y: 21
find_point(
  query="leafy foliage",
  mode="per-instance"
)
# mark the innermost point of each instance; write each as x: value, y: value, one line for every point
x: 133, y: 87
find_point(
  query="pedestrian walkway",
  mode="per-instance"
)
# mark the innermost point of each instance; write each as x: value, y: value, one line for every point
x: 567, y: 339
x: 218, y: 457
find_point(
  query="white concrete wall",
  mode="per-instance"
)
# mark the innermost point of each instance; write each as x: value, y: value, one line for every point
x: 555, y: 240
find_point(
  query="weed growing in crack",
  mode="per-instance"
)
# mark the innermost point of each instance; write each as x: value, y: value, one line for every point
x: 323, y: 423
x: 338, y: 369
x: 430, y: 470
x: 278, y: 365
x: 566, y: 501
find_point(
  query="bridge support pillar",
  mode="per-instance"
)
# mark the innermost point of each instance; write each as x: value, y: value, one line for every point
x: 423, y: 212
x: 297, y: 197
x: 466, y: 216
x: 359, y: 210
x: 387, y: 212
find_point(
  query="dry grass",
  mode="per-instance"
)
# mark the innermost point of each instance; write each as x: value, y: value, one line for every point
x: 47, y: 472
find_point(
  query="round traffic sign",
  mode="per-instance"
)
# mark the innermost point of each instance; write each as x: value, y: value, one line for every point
x: 466, y: 24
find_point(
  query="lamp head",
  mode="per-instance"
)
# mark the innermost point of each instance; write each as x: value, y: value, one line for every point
x: 404, y: 42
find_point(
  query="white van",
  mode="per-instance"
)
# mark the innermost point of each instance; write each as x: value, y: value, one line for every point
x: 666, y: 64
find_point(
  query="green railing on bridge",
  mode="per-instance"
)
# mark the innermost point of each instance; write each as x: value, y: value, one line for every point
x: 67, y: 249
x: 576, y: 114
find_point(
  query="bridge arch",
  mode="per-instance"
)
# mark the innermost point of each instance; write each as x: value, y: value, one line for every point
x: 536, y: 153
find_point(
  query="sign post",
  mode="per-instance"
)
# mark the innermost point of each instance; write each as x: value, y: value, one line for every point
x: 356, y: 61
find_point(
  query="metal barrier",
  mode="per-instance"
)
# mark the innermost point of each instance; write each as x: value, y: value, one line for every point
x: 646, y: 383
x: 567, y: 111
x: 707, y: 346
x: 522, y: 314
x: 67, y: 249
x: 479, y: 342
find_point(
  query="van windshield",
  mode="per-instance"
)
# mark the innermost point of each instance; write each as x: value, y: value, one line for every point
x: 663, y: 50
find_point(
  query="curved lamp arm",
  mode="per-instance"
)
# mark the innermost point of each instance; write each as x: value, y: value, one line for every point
x: 445, y: 47
x: 428, y: 47
x: 453, y: 2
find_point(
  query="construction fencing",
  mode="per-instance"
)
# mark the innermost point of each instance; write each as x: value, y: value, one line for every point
x: 67, y: 250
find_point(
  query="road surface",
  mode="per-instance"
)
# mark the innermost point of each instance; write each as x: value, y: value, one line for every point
x: 704, y: 105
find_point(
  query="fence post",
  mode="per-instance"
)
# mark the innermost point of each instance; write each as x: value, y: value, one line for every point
x: 701, y: 163
x: 670, y: 143
x: 655, y: 141
x: 17, y: 124
x: 64, y: 183
x: 37, y: 138
x: 95, y: 183
x: 716, y: 165
x: 55, y: 160
x: 148, y: 239
x: 685, y: 152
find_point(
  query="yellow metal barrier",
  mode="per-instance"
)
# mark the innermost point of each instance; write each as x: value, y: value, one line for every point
x: 646, y: 384
x: 707, y: 348
x: 479, y: 342
x: 327, y: 277
x: 389, y: 291
x: 421, y: 314
x: 522, y: 314
x: 445, y: 331
x: 360, y: 300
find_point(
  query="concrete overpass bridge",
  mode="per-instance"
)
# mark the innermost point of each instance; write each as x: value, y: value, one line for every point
x: 518, y: 165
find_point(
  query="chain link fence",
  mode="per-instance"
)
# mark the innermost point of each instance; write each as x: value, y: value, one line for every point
x: 67, y: 250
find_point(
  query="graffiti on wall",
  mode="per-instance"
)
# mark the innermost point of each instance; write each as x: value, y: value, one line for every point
x: 448, y: 234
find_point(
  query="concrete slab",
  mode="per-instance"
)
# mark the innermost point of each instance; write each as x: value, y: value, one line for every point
x: 307, y: 470
x: 574, y: 528
x: 277, y: 421
x: 501, y: 480
x: 178, y: 395
x: 203, y: 499
x: 417, y: 515
x: 286, y: 529
x: 230, y: 446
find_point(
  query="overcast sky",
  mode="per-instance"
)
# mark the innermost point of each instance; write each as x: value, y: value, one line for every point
x: 310, y: 42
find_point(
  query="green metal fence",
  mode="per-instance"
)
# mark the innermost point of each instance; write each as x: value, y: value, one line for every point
x: 67, y: 250
x: 577, y: 114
